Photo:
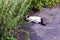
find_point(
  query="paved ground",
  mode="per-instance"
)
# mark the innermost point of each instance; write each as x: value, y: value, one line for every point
x: 49, y: 32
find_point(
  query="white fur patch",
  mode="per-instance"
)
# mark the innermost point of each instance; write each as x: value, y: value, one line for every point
x: 34, y: 19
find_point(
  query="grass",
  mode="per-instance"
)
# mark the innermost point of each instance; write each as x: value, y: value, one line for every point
x: 11, y: 13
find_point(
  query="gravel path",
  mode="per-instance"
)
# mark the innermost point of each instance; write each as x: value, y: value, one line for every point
x: 49, y: 32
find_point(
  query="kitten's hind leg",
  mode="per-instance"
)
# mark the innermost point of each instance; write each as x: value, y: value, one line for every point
x: 42, y: 23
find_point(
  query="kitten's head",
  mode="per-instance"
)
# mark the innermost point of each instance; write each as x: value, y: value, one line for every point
x: 26, y: 17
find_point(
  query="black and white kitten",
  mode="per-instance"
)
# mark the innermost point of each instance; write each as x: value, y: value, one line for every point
x: 34, y: 19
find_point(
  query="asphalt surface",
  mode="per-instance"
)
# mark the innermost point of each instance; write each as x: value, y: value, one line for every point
x: 49, y: 32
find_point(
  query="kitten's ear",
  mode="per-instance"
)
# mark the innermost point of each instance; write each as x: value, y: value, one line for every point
x: 27, y: 16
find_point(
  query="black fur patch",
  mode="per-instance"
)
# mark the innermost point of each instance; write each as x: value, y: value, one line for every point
x: 27, y: 16
x: 42, y: 22
x: 25, y: 19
